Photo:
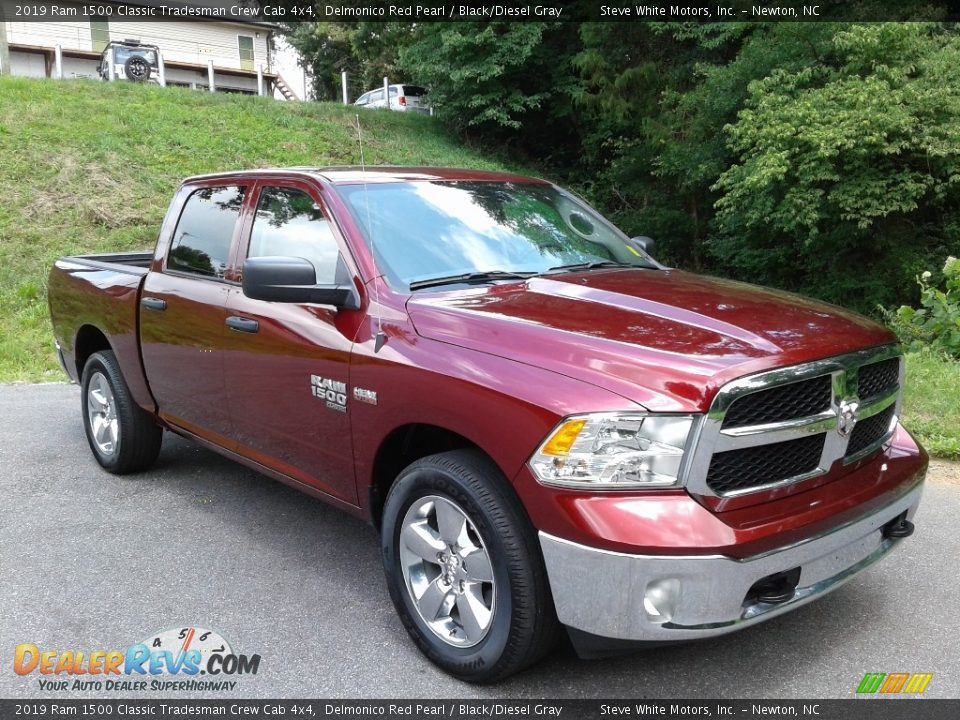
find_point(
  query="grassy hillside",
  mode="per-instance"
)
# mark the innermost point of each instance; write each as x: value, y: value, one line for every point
x: 89, y: 167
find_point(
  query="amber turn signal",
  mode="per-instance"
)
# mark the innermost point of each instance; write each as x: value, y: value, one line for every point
x: 562, y: 440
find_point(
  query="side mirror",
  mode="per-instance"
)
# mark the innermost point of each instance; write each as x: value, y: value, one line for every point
x: 293, y: 280
x: 646, y: 243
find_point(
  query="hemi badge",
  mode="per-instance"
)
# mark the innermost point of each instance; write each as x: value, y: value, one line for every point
x: 365, y: 396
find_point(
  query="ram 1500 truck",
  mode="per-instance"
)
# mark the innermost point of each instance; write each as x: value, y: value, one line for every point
x: 548, y: 428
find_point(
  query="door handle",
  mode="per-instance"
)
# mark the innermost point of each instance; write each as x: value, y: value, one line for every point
x: 152, y: 303
x: 241, y: 324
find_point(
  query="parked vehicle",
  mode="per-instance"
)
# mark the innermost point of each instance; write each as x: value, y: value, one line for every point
x: 402, y: 98
x: 132, y: 60
x: 548, y: 428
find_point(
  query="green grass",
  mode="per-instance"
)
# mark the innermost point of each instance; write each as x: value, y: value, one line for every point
x: 931, y: 405
x: 90, y: 167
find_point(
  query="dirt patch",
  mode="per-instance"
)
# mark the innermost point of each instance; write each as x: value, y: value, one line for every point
x: 944, y: 471
x: 100, y: 195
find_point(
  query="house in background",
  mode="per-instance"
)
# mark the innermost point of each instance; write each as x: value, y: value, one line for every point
x: 240, y: 51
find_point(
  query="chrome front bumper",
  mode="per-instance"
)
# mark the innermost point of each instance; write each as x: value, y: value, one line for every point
x: 650, y: 598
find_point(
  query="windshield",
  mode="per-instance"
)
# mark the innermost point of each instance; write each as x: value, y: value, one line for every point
x: 428, y: 230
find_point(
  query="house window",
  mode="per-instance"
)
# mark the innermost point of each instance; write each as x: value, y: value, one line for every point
x: 99, y: 34
x: 246, y: 51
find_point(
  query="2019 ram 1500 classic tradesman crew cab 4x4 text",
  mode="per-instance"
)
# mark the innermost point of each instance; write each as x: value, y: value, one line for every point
x: 547, y: 427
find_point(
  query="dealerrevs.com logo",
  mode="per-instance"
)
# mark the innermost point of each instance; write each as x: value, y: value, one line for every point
x: 180, y: 659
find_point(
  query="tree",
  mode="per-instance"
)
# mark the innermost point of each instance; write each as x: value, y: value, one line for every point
x: 846, y: 171
x: 366, y: 50
x: 499, y: 82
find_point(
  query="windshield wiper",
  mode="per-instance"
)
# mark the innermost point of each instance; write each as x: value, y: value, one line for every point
x: 472, y: 277
x: 589, y: 266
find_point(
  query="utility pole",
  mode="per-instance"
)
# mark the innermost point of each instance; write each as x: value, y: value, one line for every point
x: 4, y: 50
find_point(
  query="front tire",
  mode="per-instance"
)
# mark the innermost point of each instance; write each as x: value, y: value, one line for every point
x: 123, y: 438
x: 464, y: 568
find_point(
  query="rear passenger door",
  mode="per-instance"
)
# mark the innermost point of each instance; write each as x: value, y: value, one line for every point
x: 281, y: 359
x: 182, y: 313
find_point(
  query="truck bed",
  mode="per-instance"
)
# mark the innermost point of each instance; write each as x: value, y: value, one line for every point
x: 94, y: 304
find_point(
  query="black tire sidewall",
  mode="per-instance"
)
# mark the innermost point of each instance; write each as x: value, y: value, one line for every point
x: 471, y: 663
x: 138, y: 437
x: 97, y: 364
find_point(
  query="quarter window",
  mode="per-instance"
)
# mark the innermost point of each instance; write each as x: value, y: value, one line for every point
x: 201, y: 242
x: 290, y: 223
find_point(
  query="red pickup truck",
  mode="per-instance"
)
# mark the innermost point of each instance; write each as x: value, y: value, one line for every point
x: 547, y: 427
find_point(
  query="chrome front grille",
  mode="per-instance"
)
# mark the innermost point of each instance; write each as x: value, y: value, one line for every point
x: 792, y: 424
x: 750, y: 467
x: 786, y: 402
x: 875, y: 379
x: 869, y: 432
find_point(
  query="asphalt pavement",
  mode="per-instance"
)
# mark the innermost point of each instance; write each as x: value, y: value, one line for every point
x: 92, y: 561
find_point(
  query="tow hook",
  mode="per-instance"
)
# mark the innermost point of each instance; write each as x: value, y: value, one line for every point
x: 898, y: 528
x: 774, y: 589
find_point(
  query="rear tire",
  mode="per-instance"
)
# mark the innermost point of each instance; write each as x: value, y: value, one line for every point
x: 464, y: 568
x: 122, y: 437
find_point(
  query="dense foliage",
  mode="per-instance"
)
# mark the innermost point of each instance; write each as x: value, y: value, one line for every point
x: 818, y: 157
x: 936, y: 324
x: 366, y: 50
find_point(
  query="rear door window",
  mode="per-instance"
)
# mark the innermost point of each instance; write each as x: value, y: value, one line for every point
x: 414, y: 91
x: 290, y: 223
x: 204, y: 234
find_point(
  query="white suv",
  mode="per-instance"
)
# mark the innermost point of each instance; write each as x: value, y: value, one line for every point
x: 403, y: 98
x: 132, y: 60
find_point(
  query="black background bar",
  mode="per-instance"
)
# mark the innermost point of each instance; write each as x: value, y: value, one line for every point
x: 285, y: 12
x: 875, y: 707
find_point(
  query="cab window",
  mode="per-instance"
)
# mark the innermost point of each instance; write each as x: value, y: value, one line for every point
x: 204, y: 234
x: 290, y: 223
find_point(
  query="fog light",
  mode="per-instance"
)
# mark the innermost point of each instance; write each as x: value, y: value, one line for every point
x: 660, y: 600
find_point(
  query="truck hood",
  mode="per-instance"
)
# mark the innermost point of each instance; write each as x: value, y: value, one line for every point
x: 665, y: 339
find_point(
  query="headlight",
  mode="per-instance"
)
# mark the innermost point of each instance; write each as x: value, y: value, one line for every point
x: 613, y: 451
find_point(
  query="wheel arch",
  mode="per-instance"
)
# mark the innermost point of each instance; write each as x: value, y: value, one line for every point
x: 89, y: 340
x: 407, y: 444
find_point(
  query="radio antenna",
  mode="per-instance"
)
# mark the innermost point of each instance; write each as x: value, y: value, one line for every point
x: 381, y: 337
